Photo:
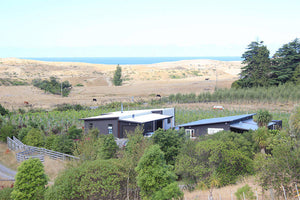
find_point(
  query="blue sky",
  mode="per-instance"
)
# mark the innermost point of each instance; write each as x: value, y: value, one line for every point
x: 134, y: 28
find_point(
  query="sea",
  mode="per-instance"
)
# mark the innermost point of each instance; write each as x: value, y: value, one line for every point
x: 128, y: 60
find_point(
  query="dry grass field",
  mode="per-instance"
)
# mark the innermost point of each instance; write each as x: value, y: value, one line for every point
x: 140, y: 81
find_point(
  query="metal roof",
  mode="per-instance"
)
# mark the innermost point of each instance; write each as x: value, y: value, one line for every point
x: 146, y: 118
x: 124, y: 114
x: 248, y: 125
x: 120, y: 114
x: 217, y: 120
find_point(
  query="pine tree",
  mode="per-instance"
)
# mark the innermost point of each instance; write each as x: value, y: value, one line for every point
x: 285, y: 62
x: 257, y: 66
x: 117, y: 80
x: 296, y: 75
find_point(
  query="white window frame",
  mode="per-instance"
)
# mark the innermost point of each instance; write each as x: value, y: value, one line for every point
x: 110, y: 129
x: 211, y: 131
x: 91, y: 125
x: 190, y: 132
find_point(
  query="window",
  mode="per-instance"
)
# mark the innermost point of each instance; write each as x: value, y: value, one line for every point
x: 212, y: 131
x: 110, y: 128
x: 169, y: 120
x: 91, y: 125
x: 190, y: 132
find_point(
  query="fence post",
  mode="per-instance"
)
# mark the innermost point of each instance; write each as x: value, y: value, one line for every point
x: 297, y: 191
x: 244, y: 195
x: 284, y: 192
x: 256, y: 194
x: 271, y: 193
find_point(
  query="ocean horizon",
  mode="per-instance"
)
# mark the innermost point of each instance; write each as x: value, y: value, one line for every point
x: 128, y: 60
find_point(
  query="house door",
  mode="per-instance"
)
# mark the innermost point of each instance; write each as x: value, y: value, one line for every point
x: 159, y: 124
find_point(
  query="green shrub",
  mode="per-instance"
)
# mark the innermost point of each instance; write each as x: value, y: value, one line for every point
x: 3, y: 111
x: 35, y: 138
x: 7, y: 130
x: 15, y: 82
x: 65, y: 107
x: 74, y: 133
x: 23, y: 132
x: 49, y: 141
x: 244, y: 190
x: 108, y: 146
x: 30, y: 180
x: 63, y: 144
x: 5, y: 193
x: 99, y: 179
x: 53, y: 86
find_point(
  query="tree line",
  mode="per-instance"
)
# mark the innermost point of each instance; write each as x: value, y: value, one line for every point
x: 262, y: 71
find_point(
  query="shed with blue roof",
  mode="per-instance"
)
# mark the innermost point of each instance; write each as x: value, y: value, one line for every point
x: 238, y: 123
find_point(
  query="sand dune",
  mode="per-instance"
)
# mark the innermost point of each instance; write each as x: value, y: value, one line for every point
x: 140, y: 81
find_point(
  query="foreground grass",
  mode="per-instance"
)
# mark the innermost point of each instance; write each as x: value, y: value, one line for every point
x: 227, y: 192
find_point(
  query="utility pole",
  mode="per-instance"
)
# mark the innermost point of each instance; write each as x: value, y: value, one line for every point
x: 216, y: 78
x: 61, y: 89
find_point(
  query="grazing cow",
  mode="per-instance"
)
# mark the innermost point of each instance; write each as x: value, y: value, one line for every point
x: 94, y: 99
x: 26, y: 102
x: 158, y: 95
x: 206, y: 79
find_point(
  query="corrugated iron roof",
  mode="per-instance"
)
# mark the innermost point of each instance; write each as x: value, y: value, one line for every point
x: 217, y: 120
x: 248, y: 125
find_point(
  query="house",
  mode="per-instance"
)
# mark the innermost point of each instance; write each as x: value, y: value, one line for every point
x: 238, y: 123
x: 121, y: 122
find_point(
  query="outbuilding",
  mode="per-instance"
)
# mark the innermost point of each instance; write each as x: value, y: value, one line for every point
x: 238, y: 123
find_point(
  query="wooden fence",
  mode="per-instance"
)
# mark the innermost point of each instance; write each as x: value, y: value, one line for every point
x: 34, y: 152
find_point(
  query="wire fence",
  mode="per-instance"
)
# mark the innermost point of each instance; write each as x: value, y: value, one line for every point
x: 27, y: 151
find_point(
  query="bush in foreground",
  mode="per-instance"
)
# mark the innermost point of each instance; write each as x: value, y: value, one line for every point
x: 30, y: 180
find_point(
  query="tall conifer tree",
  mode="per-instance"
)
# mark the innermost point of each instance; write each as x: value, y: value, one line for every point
x: 117, y: 80
x: 256, y: 71
x: 285, y: 62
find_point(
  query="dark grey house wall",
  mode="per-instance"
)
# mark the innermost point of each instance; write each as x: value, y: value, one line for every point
x: 102, y: 125
x: 125, y: 127
x: 202, y: 129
